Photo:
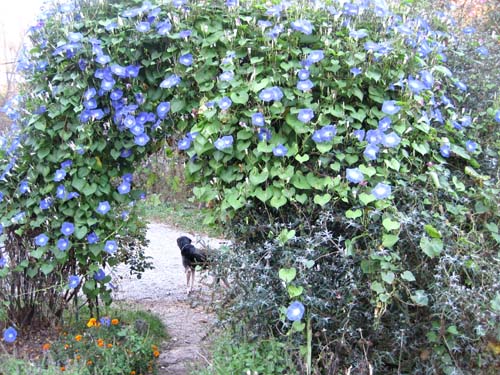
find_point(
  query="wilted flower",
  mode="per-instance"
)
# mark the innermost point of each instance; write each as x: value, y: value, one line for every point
x: 381, y: 191
x: 389, y: 107
x: 295, y: 311
x: 280, y: 150
x: 224, y: 142
x: 354, y: 175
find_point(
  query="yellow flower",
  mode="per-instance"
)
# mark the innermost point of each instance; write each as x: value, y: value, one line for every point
x: 78, y: 337
x: 92, y: 322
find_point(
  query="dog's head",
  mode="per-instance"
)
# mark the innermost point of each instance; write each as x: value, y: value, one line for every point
x: 183, y: 241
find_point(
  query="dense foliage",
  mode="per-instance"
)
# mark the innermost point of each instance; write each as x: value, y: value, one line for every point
x: 331, y: 139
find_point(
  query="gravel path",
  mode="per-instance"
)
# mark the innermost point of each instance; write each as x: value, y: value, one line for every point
x: 162, y: 291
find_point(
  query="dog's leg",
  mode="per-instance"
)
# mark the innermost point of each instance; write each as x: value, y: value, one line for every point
x: 188, y: 276
x: 192, y: 278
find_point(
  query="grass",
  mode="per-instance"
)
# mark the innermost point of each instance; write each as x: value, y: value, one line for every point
x: 183, y: 215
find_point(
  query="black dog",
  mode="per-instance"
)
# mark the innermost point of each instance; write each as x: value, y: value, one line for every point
x: 192, y: 258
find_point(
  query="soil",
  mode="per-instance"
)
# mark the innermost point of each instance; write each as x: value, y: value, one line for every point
x: 162, y: 291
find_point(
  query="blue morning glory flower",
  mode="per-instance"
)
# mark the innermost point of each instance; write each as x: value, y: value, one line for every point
x: 63, y: 244
x: 228, y: 75
x: 374, y: 136
x: 469, y: 30
x: 315, y: 56
x: 225, y: 103
x: 103, y: 59
x: 118, y: 70
x: 350, y: 9
x: 359, y: 134
x: 137, y: 129
x: 10, y: 335
x: 75, y: 37
x: 89, y: 93
x: 280, y: 150
x: 73, y: 281
x: 61, y: 192
x: 164, y: 27
x: 105, y: 321
x: 133, y: 71
x: 389, y: 107
x: 358, y: 34
x: 99, y: 275
x: 264, y: 24
x: 59, y: 175
x: 111, y: 26
x: 483, y: 51
x: 437, y: 115
x: 381, y: 191
x: 110, y: 247
x: 415, y: 85
x: 270, y: 94
x: 41, y: 240
x: 427, y: 79
x: 295, y: 311
x: 303, y: 74
x: 143, y: 27
x: 72, y: 195
x: 23, y: 187
x: 162, y: 109
x: 305, y: 115
x: 185, y: 33
x: 354, y: 175
x: 461, y: 86
x: 445, y: 150
x: 470, y: 146
x: 325, y: 134
x: 103, y: 207
x: 45, y: 203
x: 391, y: 140
x: 67, y: 228
x: 1, y: 199
x: 224, y: 142
x: 184, y: 143
x: 170, y: 81
x: 3, y: 262
x: 92, y: 238
x: 116, y: 94
x: 356, y: 71
x: 371, y: 151
x: 107, y: 84
x: 264, y: 134
x: 129, y: 121
x: 384, y: 124
x: 305, y: 85
x: 304, y: 26
x: 497, y: 116
x: 186, y: 59
x: 124, y: 188
x: 128, y: 177
x: 90, y: 104
x: 258, y: 119
x: 141, y: 140
x: 66, y: 164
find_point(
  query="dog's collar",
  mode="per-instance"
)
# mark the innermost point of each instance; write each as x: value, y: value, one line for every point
x: 182, y: 248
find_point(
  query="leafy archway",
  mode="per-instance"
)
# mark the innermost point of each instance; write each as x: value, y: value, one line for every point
x: 348, y: 111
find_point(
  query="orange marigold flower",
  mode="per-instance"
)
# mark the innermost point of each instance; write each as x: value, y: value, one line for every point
x: 78, y: 357
x: 115, y: 322
x: 132, y: 372
x: 89, y: 362
x: 66, y: 346
x: 100, y: 342
x: 110, y: 345
x: 62, y: 368
x: 46, y: 346
x: 92, y: 322
x: 156, y: 353
x: 78, y: 337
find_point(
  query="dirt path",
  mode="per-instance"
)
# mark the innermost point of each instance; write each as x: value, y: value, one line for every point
x: 163, y: 292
